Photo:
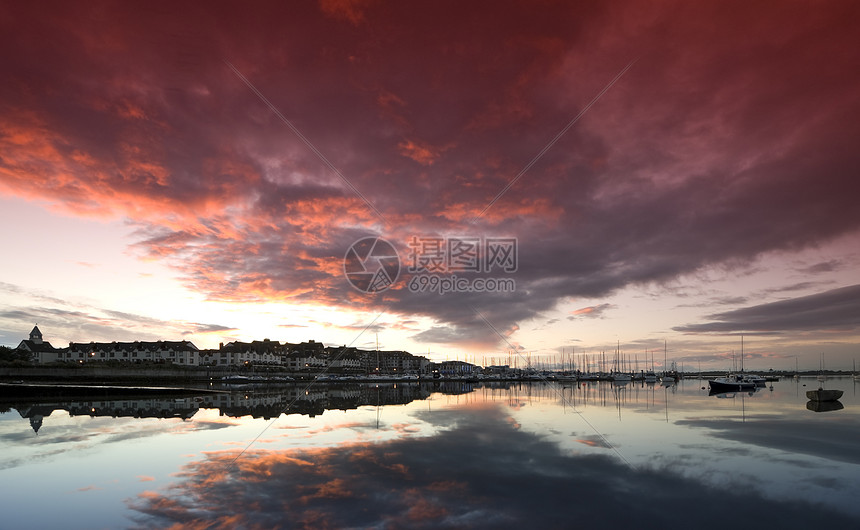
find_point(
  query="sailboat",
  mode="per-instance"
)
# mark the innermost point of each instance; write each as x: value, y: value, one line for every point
x: 650, y: 376
x: 619, y: 375
x: 821, y: 377
x: 822, y: 394
x: 668, y: 378
x: 855, y: 375
x: 732, y: 382
x: 377, y: 373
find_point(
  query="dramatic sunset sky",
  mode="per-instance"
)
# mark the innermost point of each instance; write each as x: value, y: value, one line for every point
x: 681, y: 171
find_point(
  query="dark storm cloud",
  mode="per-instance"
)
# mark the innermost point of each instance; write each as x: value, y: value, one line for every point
x: 801, y: 286
x: 729, y: 300
x: 731, y: 136
x: 834, y: 309
x: 824, y: 266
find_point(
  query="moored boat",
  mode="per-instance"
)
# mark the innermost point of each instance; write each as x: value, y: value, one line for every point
x: 735, y: 382
x: 236, y: 379
x: 823, y: 395
x: 730, y: 383
x: 755, y: 379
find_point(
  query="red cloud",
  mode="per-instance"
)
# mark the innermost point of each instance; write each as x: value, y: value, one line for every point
x: 134, y: 114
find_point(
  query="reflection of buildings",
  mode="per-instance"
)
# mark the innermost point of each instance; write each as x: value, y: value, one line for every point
x: 36, y: 422
x: 183, y: 408
x: 313, y: 400
x: 310, y: 401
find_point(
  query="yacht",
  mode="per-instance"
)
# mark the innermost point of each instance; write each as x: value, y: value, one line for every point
x: 755, y: 379
x: 731, y: 383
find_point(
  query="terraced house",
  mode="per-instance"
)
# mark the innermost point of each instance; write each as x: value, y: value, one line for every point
x: 162, y: 351
x: 310, y: 356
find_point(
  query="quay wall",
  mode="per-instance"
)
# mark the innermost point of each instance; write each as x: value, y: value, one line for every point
x: 109, y: 374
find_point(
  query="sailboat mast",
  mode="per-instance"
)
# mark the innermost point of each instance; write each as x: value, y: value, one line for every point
x: 665, y: 356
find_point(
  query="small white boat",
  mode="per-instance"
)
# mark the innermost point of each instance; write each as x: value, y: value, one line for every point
x: 755, y: 379
x: 236, y: 379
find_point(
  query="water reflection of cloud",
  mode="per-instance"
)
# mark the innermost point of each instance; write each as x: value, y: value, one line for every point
x: 831, y: 440
x: 25, y: 435
x: 67, y: 433
x: 406, y: 428
x: 212, y: 425
x: 478, y: 472
x: 592, y: 441
x: 353, y: 425
x: 828, y: 483
x: 720, y: 450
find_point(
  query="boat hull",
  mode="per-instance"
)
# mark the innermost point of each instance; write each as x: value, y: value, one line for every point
x: 823, y: 395
x: 719, y: 387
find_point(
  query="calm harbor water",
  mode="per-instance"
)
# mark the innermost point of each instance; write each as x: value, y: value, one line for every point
x: 451, y: 454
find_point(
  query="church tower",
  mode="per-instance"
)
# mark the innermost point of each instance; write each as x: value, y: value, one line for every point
x: 36, y: 423
x: 36, y: 335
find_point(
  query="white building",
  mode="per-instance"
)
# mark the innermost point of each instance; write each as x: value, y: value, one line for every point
x: 40, y: 351
x: 183, y: 353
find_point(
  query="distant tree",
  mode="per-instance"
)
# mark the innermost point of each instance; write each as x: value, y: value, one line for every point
x: 5, y: 353
x: 8, y: 354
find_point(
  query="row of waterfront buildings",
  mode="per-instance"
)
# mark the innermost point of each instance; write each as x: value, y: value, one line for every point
x: 308, y: 356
